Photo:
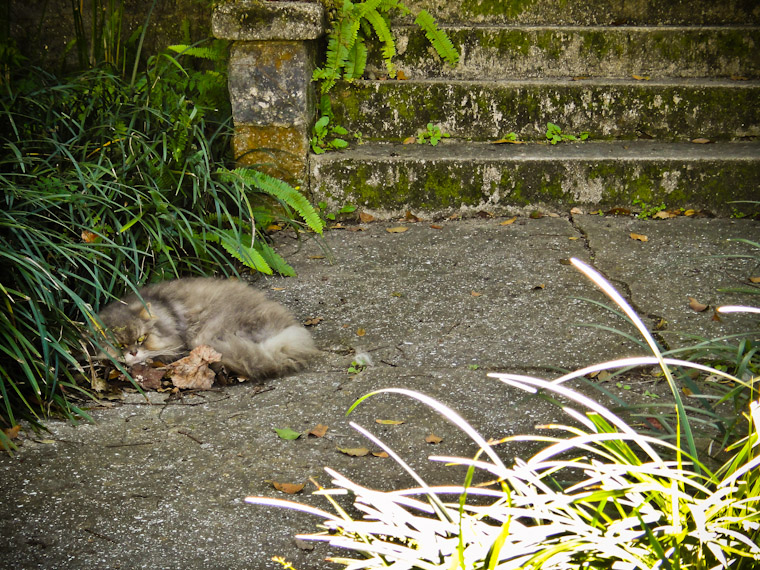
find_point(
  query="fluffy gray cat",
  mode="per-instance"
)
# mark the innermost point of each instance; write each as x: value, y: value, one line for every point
x: 255, y: 336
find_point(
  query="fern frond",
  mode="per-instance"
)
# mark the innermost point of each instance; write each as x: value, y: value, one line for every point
x: 202, y: 52
x: 279, y: 190
x: 357, y: 60
x: 274, y: 259
x: 380, y: 26
x: 437, y: 37
x: 248, y: 255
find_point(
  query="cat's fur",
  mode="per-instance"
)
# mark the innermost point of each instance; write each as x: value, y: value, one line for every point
x: 255, y: 336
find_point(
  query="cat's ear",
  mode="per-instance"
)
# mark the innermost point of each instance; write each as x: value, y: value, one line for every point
x: 145, y: 313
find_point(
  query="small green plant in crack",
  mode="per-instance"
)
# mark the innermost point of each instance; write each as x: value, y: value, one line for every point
x: 323, y: 130
x: 647, y: 210
x: 432, y: 134
x: 555, y: 135
x: 356, y: 367
x: 333, y: 216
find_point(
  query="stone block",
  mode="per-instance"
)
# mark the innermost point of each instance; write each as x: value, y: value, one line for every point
x: 278, y: 151
x: 253, y: 20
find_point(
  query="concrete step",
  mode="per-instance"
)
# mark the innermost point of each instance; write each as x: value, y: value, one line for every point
x: 550, y: 51
x: 667, y: 109
x: 593, y: 12
x: 456, y: 176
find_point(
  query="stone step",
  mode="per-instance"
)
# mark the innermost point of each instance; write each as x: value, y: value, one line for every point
x: 468, y: 177
x: 606, y: 108
x: 503, y: 52
x: 593, y: 12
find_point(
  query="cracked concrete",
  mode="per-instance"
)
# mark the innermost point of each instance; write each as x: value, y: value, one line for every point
x: 161, y: 484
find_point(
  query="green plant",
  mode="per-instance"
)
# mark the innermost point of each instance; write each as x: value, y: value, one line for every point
x: 555, y: 135
x: 597, y: 495
x: 355, y: 22
x: 647, y: 210
x: 432, y: 134
x: 320, y: 133
x: 333, y: 216
x: 107, y: 183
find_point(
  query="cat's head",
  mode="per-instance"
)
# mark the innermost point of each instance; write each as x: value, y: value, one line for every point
x: 134, y: 333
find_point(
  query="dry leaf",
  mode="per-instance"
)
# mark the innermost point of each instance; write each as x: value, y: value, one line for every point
x: 687, y: 392
x: 278, y: 288
x: 663, y: 215
x: 409, y: 217
x: 396, y: 230
x: 354, y: 451
x: 640, y: 77
x: 382, y: 454
x: 754, y: 279
x: 364, y: 217
x: 509, y: 221
x: 401, y: 76
x: 390, y: 422
x: 716, y: 316
x: 360, y: 332
x: 475, y: 294
x: 274, y: 227
x: 12, y: 432
x: 695, y: 305
x: 436, y: 227
x: 689, y: 213
x: 576, y: 211
x: 289, y: 488
x: 573, y: 238
x: 147, y: 377
x: 701, y: 141
x: 604, y: 376
x: 410, y: 140
x: 434, y: 439
x: 89, y: 237
x: 193, y: 371
x: 316, y: 257
x: 319, y: 430
x: 313, y: 321
x: 639, y: 237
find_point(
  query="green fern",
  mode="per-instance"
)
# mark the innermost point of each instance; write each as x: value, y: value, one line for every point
x: 437, y: 37
x: 353, y: 25
x: 248, y: 255
x: 281, y: 191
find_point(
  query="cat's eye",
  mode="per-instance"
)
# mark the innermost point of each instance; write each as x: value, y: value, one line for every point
x: 142, y: 338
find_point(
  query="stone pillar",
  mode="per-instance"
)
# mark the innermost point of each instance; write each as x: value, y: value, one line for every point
x: 270, y: 68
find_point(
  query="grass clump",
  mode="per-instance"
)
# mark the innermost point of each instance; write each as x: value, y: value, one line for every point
x: 109, y: 182
x: 598, y: 494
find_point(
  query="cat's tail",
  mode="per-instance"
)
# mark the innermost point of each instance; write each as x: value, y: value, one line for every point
x: 286, y: 352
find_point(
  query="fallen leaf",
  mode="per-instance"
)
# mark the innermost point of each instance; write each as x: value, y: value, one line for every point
x: 655, y: 423
x: 391, y: 422
x: 289, y: 488
x: 689, y: 213
x: 12, y: 432
x: 356, y: 229
x: 639, y: 237
x: 354, y: 451
x: 287, y: 433
x: 716, y: 316
x: 193, y: 372
x: 579, y: 78
x: 278, y: 288
x: 433, y: 439
x: 573, y: 238
x: 401, y: 76
x: 436, y: 227
x: 147, y: 377
x: 475, y: 294
x: 396, y: 230
x: 364, y: 217
x: 640, y: 77
x: 739, y: 78
x: 604, y: 376
x: 455, y: 216
x: 319, y: 430
x: 754, y: 279
x: 701, y: 141
x: 663, y: 215
x: 89, y: 237
x: 410, y: 140
x: 382, y: 454
x: 661, y: 325
x: 360, y: 332
x: 313, y: 321
x: 484, y: 215
x: 338, y: 226
x: 274, y: 227
x: 509, y: 221
x: 687, y: 392
x: 695, y: 305
x: 409, y: 217
x: 316, y: 257
x: 576, y: 211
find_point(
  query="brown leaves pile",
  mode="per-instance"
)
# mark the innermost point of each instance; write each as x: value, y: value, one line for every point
x: 193, y: 371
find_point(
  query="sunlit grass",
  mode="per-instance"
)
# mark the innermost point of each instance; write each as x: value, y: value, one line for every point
x: 598, y: 494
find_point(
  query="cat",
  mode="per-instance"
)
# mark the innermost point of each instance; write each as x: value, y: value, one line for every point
x: 256, y: 337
